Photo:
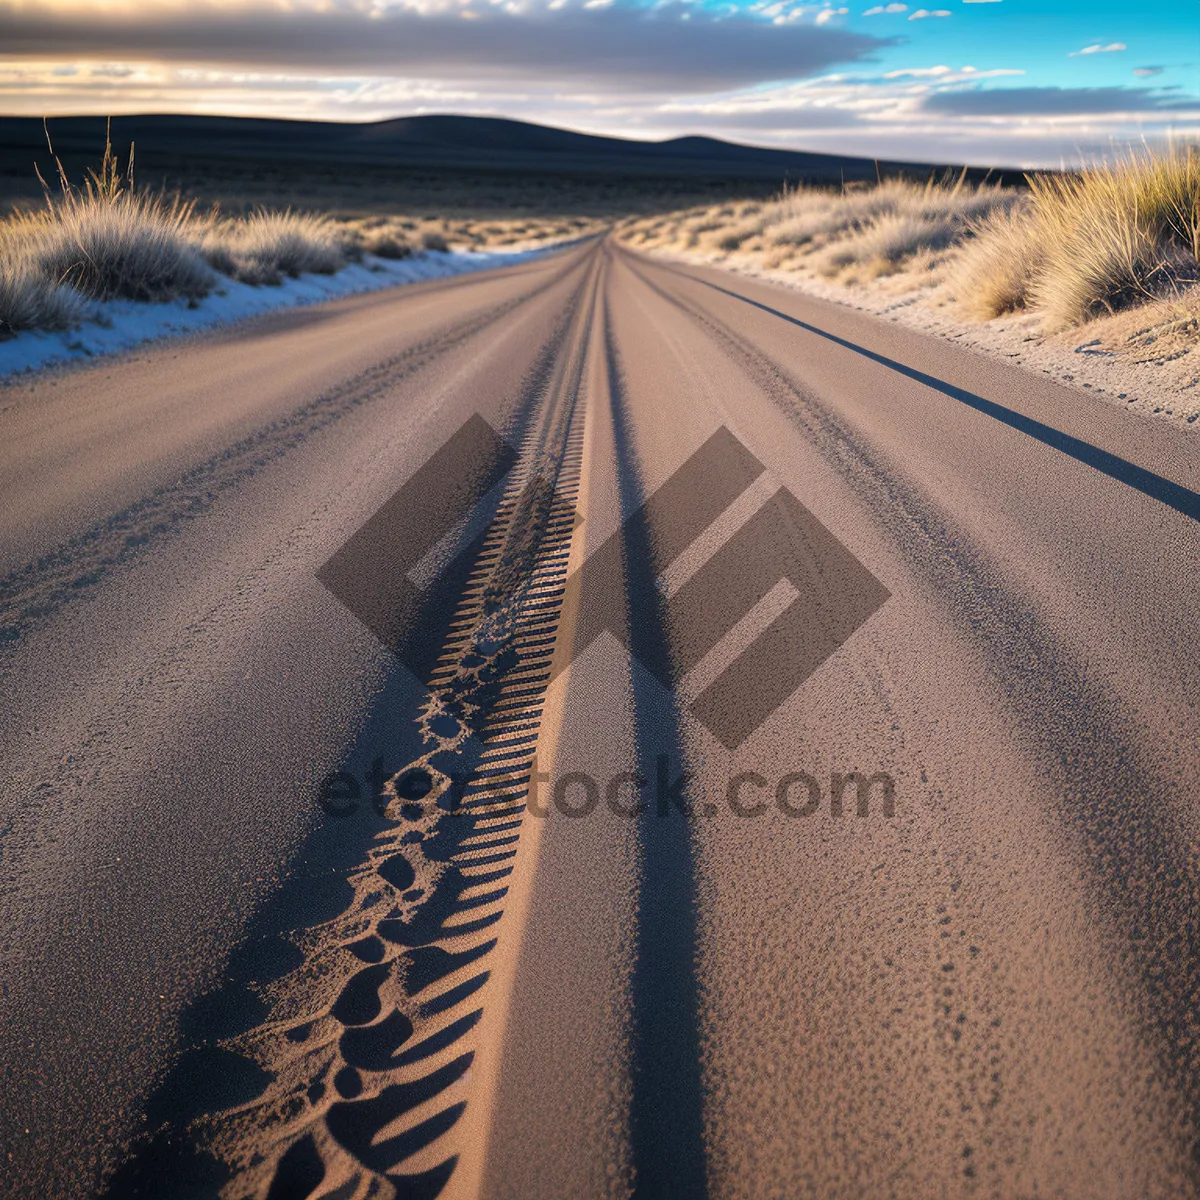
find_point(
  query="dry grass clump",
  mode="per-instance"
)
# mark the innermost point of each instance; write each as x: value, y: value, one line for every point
x: 388, y: 245
x: 266, y: 247
x: 992, y: 273
x: 1117, y: 235
x: 893, y: 239
x: 30, y: 300
x: 108, y: 241
x: 134, y: 248
x: 879, y: 229
x: 1089, y: 244
x: 889, y: 241
x: 732, y: 239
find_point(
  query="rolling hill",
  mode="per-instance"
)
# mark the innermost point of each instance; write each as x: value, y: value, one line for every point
x: 446, y: 142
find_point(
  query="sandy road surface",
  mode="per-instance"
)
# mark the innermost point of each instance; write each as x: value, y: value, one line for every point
x: 856, y: 675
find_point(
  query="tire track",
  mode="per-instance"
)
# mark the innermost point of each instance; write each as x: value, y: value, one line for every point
x: 666, y: 1118
x: 360, y: 1060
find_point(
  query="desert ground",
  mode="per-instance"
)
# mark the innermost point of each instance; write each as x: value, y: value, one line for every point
x: 637, y: 721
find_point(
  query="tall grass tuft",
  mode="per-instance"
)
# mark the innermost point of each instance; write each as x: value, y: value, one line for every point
x: 1116, y: 235
x: 267, y: 246
x: 108, y: 241
x: 994, y: 271
x: 30, y: 300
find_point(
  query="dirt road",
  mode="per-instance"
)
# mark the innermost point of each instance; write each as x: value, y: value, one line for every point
x: 597, y: 728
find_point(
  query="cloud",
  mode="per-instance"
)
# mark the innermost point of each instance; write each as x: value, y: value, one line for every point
x: 920, y: 114
x: 1025, y: 146
x: 944, y: 74
x: 922, y: 13
x: 1050, y: 101
x: 981, y: 1
x: 1147, y: 72
x: 885, y: 8
x: 920, y: 72
x: 1111, y: 48
x: 827, y: 14
x: 673, y: 46
x: 751, y: 125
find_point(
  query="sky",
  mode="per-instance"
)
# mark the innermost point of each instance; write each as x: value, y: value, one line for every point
x: 993, y: 82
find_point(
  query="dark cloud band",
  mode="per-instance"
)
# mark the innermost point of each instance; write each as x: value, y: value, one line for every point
x: 667, y: 48
x: 1053, y: 101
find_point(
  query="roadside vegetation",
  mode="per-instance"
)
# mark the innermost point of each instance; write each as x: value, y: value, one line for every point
x: 1068, y: 249
x: 107, y: 239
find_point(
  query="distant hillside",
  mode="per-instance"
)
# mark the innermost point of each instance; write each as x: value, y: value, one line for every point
x: 479, y: 144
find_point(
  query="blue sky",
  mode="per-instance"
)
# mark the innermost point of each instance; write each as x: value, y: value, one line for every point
x: 1039, y: 36
x: 1005, y: 82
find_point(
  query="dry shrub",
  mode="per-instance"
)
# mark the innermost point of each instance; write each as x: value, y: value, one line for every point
x: 1116, y: 235
x: 879, y: 227
x: 389, y: 245
x: 728, y: 240
x: 108, y: 241
x: 994, y: 271
x: 29, y: 300
x: 893, y: 239
x: 802, y: 228
x: 266, y: 246
x: 134, y: 249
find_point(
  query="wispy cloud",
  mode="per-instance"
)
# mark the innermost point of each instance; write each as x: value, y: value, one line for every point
x: 922, y: 13
x: 885, y: 8
x: 827, y: 14
x: 1147, y: 72
x: 946, y: 74
x: 1111, y: 48
x: 919, y: 72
